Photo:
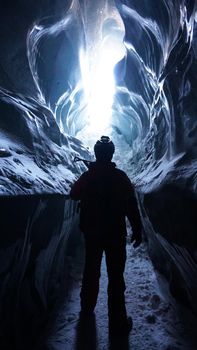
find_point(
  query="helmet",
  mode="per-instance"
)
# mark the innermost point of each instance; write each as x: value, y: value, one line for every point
x: 104, y: 149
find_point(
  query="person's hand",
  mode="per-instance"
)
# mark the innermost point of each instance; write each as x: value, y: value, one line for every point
x: 136, y: 239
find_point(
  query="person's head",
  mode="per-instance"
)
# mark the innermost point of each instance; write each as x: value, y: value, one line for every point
x: 104, y: 149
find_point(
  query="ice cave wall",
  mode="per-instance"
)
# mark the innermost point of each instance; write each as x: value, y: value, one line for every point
x: 37, y: 169
x: 156, y: 108
x: 161, y: 68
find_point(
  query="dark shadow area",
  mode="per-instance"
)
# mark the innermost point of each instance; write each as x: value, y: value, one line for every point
x: 175, y: 201
x: 186, y: 328
x: 117, y: 343
x: 173, y: 248
x: 34, y: 238
x: 86, y: 338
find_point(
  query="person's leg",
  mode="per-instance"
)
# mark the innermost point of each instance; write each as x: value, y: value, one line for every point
x: 115, y: 259
x: 91, y: 275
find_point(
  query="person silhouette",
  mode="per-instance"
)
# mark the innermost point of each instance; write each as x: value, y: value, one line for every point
x: 107, y: 197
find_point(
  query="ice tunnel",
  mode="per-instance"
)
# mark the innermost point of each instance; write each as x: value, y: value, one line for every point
x: 71, y: 70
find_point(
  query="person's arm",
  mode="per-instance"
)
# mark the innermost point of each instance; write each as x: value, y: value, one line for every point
x: 133, y: 215
x: 79, y: 187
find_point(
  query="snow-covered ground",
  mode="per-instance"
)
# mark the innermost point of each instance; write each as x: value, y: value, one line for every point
x: 157, y: 322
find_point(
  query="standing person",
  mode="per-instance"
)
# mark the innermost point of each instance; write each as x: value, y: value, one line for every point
x: 107, y: 197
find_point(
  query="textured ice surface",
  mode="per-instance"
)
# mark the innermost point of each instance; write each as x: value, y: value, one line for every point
x: 157, y: 325
x: 35, y: 156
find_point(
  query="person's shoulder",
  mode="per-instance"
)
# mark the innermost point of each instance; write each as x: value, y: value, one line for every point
x: 84, y: 175
x: 92, y: 169
x: 121, y: 173
x: 123, y: 177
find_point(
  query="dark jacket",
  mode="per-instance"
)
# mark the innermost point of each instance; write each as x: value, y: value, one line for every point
x: 107, y: 197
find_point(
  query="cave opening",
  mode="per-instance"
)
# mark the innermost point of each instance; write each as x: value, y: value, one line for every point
x: 93, y: 97
x: 98, y: 80
x: 96, y: 100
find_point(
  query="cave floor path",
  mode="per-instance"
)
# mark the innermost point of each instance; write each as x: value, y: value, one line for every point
x: 156, y: 323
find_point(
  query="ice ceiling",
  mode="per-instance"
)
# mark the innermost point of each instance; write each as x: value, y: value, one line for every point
x: 115, y: 67
x: 85, y: 110
x: 141, y: 100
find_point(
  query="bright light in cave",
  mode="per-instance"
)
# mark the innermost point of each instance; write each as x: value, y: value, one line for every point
x: 98, y: 81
